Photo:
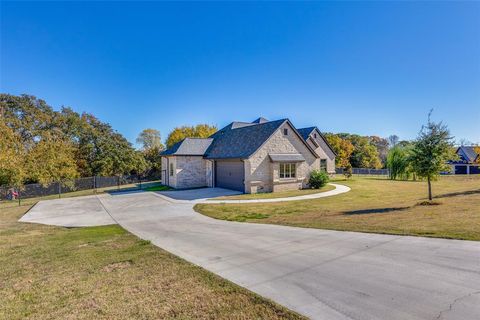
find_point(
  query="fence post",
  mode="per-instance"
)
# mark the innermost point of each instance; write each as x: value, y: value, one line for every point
x: 19, y: 201
x: 94, y: 184
x: 118, y: 182
x: 140, y: 178
x: 59, y: 190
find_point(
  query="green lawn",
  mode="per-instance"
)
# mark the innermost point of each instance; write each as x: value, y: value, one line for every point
x: 106, y: 273
x: 375, y: 205
x: 158, y: 188
x: 272, y: 195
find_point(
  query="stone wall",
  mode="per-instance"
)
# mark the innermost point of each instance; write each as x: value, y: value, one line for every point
x: 261, y: 175
x: 190, y: 172
x: 324, y: 152
x: 165, y: 167
x: 172, y: 179
x: 209, y: 173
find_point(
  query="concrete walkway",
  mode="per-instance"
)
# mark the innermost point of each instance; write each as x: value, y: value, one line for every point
x: 319, y: 273
x: 208, y: 195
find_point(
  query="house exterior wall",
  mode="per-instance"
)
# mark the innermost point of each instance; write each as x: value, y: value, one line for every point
x: 188, y: 171
x: 323, y: 151
x: 172, y: 179
x: 262, y: 175
x: 209, y: 173
x: 164, y: 170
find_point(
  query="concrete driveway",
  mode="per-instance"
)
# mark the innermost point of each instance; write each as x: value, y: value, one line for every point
x: 319, y: 273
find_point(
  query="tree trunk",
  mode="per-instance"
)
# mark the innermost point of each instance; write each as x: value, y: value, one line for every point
x: 429, y: 189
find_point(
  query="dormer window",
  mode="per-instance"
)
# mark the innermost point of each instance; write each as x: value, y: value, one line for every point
x: 285, y: 131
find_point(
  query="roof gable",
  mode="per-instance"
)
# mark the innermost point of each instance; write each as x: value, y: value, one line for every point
x: 189, y: 146
x: 306, y: 132
x: 297, y: 134
x: 240, y: 142
x: 468, y: 153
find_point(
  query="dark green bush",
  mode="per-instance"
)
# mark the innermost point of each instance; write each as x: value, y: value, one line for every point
x: 318, y: 179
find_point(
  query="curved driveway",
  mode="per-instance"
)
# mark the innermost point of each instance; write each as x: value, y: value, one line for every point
x: 319, y: 273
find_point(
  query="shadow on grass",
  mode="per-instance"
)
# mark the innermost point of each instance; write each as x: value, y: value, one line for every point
x: 139, y: 187
x: 396, y: 180
x: 456, y: 194
x: 376, y: 210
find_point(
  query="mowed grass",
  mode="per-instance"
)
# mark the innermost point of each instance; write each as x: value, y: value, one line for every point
x: 158, y: 188
x: 375, y: 205
x: 107, y: 273
x: 271, y: 195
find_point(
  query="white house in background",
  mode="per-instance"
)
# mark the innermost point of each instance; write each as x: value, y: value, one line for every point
x: 258, y: 156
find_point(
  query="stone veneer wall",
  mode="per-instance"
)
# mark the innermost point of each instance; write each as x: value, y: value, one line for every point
x: 164, y: 167
x: 209, y: 172
x: 261, y: 175
x: 323, y: 152
x: 172, y: 180
x: 190, y: 172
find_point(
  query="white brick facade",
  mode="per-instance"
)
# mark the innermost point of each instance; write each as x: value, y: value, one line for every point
x: 188, y: 171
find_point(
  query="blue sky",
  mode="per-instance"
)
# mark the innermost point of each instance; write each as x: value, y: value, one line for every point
x: 372, y: 68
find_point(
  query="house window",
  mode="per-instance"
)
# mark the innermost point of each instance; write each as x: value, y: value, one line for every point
x: 287, y: 170
x: 323, y: 165
x: 315, y: 135
x: 171, y: 169
x: 285, y: 131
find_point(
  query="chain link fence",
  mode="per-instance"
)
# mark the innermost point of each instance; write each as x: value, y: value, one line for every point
x: 80, y: 186
x: 365, y: 171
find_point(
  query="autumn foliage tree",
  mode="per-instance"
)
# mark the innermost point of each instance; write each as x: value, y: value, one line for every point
x: 342, y: 147
x: 11, y: 156
x: 359, y: 151
x: 198, y: 131
x: 51, y: 159
x: 41, y: 145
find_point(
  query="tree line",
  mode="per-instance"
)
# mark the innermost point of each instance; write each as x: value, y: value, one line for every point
x: 41, y: 145
x: 358, y: 151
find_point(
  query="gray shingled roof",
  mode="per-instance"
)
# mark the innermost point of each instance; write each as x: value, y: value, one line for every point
x: 241, y: 142
x: 189, y: 146
x: 469, y: 151
x: 239, y: 124
x: 238, y: 140
x: 305, y: 132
